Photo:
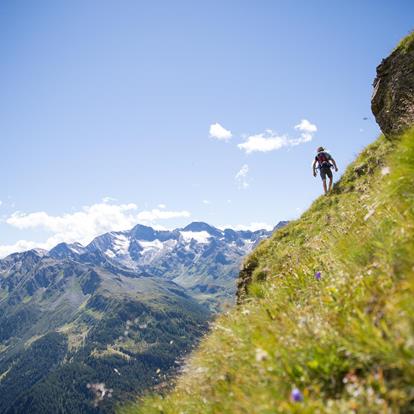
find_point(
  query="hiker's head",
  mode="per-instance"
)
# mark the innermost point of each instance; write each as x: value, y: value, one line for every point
x: 320, y: 149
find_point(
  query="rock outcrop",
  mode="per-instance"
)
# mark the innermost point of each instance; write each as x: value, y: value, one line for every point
x: 393, y: 97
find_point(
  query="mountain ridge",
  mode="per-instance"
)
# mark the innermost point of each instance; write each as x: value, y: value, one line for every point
x: 83, y: 317
x: 180, y: 254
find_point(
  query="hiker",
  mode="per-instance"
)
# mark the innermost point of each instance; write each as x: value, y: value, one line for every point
x: 326, y: 162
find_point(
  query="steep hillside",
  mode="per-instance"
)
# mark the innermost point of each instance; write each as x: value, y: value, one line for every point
x: 64, y: 325
x: 326, y: 316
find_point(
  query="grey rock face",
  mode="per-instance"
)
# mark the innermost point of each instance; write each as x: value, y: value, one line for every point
x: 393, y: 98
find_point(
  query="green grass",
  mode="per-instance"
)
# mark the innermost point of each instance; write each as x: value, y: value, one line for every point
x: 407, y: 42
x: 345, y: 341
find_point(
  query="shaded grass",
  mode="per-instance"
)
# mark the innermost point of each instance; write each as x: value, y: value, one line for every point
x: 345, y: 341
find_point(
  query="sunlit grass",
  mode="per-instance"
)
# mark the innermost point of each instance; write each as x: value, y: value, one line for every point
x: 406, y: 42
x: 329, y: 312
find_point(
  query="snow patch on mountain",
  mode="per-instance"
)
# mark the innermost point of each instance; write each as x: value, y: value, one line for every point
x: 151, y: 245
x: 76, y: 248
x: 121, y: 244
x: 199, y: 236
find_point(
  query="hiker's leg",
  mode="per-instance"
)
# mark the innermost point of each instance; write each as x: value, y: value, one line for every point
x: 322, y: 172
x: 330, y: 183
x: 330, y: 176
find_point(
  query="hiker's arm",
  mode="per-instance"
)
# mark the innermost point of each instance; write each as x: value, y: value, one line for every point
x: 314, y: 168
x: 334, y: 164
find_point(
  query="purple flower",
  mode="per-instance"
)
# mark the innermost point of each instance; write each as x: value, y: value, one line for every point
x: 318, y: 275
x: 296, y: 395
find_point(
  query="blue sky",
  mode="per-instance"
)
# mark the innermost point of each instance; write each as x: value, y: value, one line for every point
x: 107, y: 106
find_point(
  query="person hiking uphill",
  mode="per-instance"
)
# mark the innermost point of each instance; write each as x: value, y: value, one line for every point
x: 325, y: 163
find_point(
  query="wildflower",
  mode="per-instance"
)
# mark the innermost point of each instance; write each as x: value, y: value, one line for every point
x: 261, y: 355
x: 385, y: 170
x: 369, y: 214
x: 296, y: 395
x: 318, y: 275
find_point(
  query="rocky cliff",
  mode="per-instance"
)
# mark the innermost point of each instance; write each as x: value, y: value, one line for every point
x: 393, y: 97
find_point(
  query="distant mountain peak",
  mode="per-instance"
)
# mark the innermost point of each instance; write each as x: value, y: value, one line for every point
x: 142, y: 232
x: 40, y: 252
x: 197, y: 226
x: 66, y: 249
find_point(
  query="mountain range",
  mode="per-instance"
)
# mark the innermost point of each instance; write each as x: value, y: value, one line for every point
x: 84, y: 327
x: 200, y: 258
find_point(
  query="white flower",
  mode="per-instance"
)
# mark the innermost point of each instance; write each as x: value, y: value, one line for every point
x: 369, y: 214
x: 385, y: 170
x: 261, y: 354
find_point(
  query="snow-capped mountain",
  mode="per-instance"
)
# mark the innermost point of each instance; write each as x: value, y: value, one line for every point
x: 116, y: 311
x: 199, y: 257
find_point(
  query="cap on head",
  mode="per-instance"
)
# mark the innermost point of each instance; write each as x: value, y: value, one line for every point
x: 320, y: 149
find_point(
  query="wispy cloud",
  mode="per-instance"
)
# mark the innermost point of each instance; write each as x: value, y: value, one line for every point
x: 109, y: 200
x: 19, y: 246
x: 254, y: 226
x: 241, y: 177
x: 82, y: 226
x: 156, y: 214
x: 264, y: 142
x: 307, y: 130
x: 217, y: 131
x: 271, y: 141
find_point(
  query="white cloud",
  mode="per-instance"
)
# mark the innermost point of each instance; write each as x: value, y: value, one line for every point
x: 254, y: 226
x: 271, y: 141
x: 306, y: 126
x: 156, y: 214
x: 162, y: 206
x: 82, y: 226
x: 241, y: 177
x: 20, y: 246
x: 109, y: 200
x: 307, y: 130
x: 219, y: 132
x: 264, y: 142
x: 207, y: 202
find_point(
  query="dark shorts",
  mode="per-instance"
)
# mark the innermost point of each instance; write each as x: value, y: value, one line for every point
x: 326, y: 171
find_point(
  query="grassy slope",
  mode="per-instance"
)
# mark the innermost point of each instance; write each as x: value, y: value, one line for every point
x: 347, y: 340
x: 406, y: 42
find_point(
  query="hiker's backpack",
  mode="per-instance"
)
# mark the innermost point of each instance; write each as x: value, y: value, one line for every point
x: 323, y: 160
